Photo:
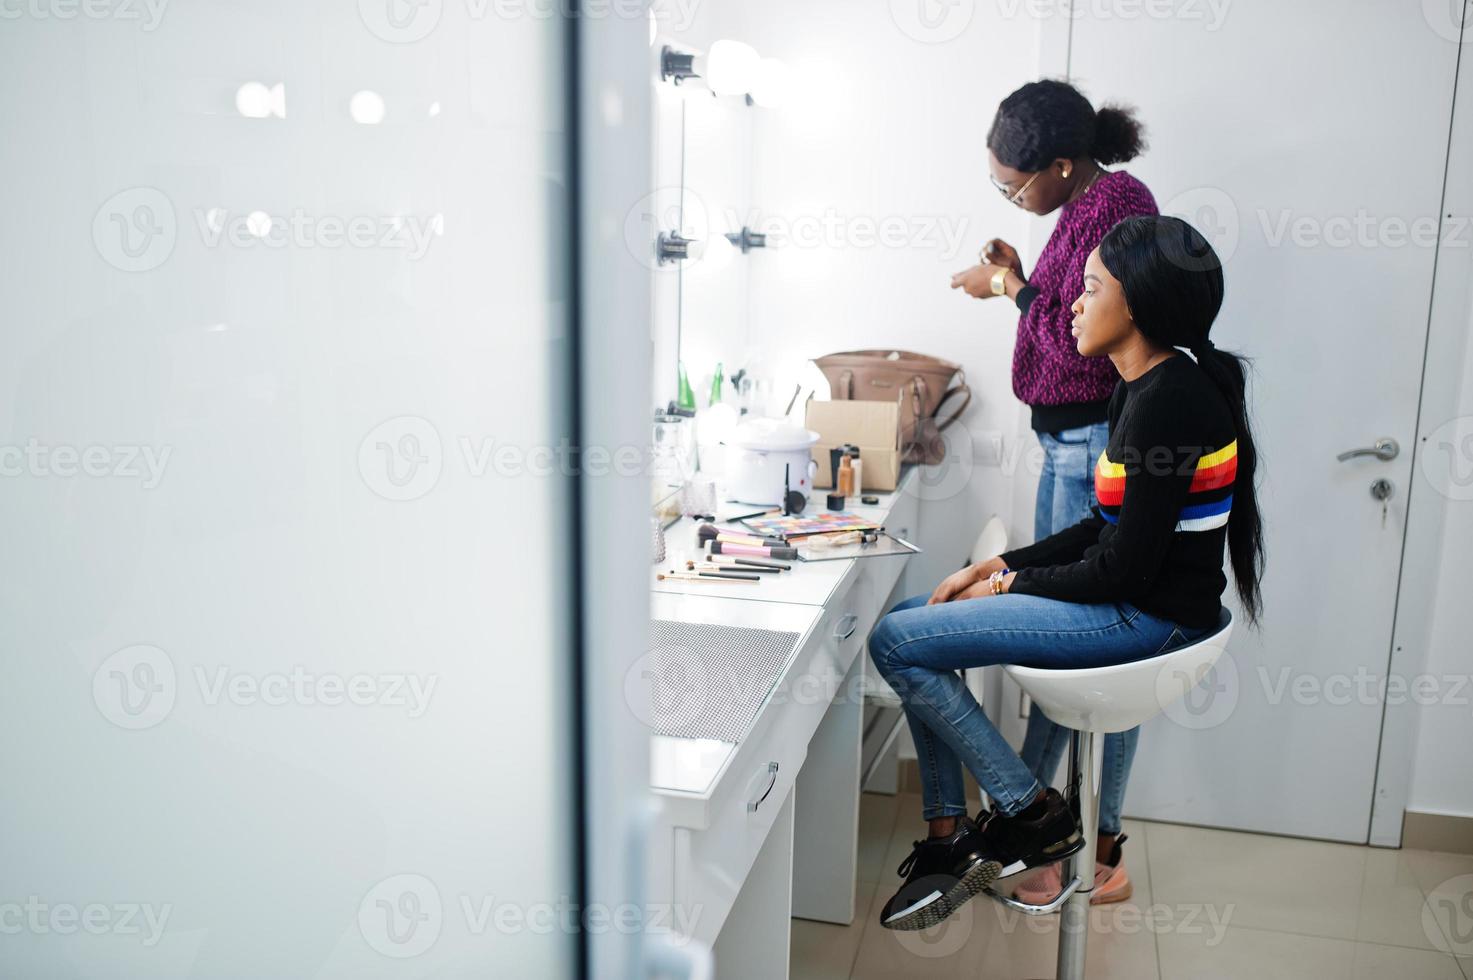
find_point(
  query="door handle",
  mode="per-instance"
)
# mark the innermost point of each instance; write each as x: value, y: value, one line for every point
x: 1387, y: 448
x: 770, y: 771
x: 846, y: 627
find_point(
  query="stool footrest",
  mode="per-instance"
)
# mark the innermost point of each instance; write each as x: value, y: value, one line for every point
x: 1026, y: 909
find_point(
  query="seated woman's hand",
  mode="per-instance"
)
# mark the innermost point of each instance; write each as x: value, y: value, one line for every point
x: 983, y: 588
x: 953, y: 584
x: 957, y: 583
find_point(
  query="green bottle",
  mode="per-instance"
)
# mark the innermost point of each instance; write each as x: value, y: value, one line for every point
x: 716, y: 385
x: 685, y: 398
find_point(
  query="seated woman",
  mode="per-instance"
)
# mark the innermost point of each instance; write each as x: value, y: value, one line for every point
x: 1141, y: 575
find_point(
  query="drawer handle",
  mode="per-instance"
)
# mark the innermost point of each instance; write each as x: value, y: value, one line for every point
x: 846, y: 627
x: 752, y: 805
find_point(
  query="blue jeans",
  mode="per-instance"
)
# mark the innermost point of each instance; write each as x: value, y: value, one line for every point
x: 1066, y: 486
x: 1066, y: 492
x: 919, y: 648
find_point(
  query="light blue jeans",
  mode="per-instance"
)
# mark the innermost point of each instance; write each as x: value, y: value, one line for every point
x: 919, y: 648
x: 1066, y: 492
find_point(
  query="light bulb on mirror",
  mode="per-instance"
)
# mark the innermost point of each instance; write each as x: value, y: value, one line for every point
x: 366, y: 108
x: 731, y: 67
x: 710, y: 255
x: 255, y: 100
x: 258, y: 223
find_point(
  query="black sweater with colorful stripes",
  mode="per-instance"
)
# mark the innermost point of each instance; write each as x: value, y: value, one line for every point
x: 1164, y: 490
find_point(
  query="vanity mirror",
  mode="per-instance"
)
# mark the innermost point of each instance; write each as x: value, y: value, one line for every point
x: 707, y: 94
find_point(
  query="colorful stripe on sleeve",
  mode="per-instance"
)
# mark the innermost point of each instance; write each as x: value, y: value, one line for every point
x: 1209, y: 499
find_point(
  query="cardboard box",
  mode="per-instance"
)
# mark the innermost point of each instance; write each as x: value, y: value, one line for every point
x: 873, y: 426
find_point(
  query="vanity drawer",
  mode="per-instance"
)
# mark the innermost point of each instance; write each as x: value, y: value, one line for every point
x: 711, y: 864
x: 817, y: 675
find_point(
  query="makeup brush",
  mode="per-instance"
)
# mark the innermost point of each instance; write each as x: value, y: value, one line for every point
x: 756, y: 513
x: 708, y: 566
x: 707, y: 577
x: 715, y: 572
x: 775, y: 566
x: 708, y: 532
x: 752, y: 551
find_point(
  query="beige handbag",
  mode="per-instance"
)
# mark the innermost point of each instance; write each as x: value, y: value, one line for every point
x: 921, y: 383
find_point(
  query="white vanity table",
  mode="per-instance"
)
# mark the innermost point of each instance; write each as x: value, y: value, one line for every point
x: 764, y: 828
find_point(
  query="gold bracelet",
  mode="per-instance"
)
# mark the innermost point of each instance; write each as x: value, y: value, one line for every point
x: 1000, y: 282
x: 996, y: 581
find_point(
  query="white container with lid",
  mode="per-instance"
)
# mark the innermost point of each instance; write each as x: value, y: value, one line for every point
x: 762, y: 453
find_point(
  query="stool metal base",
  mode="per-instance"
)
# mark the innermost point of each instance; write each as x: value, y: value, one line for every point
x: 1026, y: 909
x: 1086, y: 758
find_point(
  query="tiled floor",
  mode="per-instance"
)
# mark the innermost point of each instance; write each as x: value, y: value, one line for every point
x: 1208, y: 904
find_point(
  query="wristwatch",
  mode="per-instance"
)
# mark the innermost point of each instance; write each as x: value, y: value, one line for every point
x: 1000, y: 282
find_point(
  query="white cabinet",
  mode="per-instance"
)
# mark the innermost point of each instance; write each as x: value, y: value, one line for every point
x: 776, y: 812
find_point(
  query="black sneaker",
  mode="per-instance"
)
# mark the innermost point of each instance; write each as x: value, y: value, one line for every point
x: 1030, y: 840
x: 941, y: 874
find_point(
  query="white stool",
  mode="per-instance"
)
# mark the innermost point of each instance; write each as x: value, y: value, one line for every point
x: 1093, y: 702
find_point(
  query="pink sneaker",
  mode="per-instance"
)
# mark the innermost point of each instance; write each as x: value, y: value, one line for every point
x: 1112, y: 884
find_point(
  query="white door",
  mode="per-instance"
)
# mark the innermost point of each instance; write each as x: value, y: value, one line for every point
x: 1308, y: 141
x: 275, y: 277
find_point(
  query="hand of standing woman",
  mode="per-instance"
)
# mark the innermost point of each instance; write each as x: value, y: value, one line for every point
x: 999, y: 252
x: 986, y: 280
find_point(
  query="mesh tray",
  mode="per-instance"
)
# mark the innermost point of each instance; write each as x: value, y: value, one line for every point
x: 709, y: 681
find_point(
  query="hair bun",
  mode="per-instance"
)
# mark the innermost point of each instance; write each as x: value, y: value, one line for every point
x: 1119, y: 136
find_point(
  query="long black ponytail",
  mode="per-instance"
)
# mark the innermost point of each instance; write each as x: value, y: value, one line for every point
x: 1173, y: 285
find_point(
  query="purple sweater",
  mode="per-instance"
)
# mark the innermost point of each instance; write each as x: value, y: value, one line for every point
x: 1047, y: 368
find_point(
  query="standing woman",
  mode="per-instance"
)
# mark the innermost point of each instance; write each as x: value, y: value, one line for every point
x: 1047, y: 150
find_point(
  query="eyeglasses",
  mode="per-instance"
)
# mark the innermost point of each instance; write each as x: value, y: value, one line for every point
x: 1010, y: 195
